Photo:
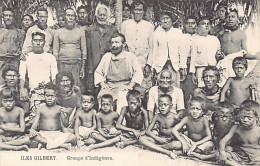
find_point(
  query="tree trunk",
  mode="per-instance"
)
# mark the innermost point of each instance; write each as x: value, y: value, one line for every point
x: 118, y: 14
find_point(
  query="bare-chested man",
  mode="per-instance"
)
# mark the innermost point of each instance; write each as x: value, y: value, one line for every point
x: 49, y: 120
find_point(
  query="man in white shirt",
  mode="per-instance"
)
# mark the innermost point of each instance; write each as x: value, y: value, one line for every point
x: 41, y: 68
x: 138, y: 34
x: 166, y: 48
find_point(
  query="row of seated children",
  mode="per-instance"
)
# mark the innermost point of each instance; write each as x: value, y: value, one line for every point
x: 164, y: 134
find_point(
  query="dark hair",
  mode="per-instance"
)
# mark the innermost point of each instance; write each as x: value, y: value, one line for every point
x: 250, y: 105
x: 200, y: 100
x: 137, y: 3
x: 227, y: 105
x: 31, y: 17
x: 82, y: 7
x: 233, y: 10
x: 50, y: 86
x: 190, y: 17
x: 107, y: 96
x: 168, y: 13
x: 9, y: 9
x: 223, y: 6
x: 135, y: 93
x: 89, y: 94
x: 70, y: 9
x: 166, y: 96
x: 213, y: 68
x: 117, y: 34
x: 203, y: 18
x: 9, y: 68
x: 7, y: 93
x: 67, y: 74
x: 239, y: 60
x: 126, y: 5
x: 42, y: 9
x: 38, y: 34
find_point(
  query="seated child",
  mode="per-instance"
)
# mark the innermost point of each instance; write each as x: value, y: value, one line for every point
x: 239, y: 86
x: 49, y: 121
x: 106, y: 122
x: 199, y: 134
x: 136, y: 122
x: 12, y: 123
x: 85, y: 120
x: 166, y: 120
x: 248, y: 152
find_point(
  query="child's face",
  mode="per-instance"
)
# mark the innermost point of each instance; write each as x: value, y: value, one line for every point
x: 61, y: 21
x: 195, y: 110
x: 224, y: 115
x: 106, y: 105
x: 164, y: 105
x: 165, y: 80
x: 239, y: 70
x: 247, y: 118
x: 50, y: 97
x: 133, y: 103
x: 8, y: 104
x: 87, y: 102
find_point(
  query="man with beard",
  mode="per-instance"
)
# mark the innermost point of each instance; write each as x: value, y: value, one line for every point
x: 69, y: 47
x: 82, y: 12
x: 41, y: 26
x: 138, y: 34
x: 118, y: 72
x: 68, y: 96
x: 11, y: 40
x: 98, y: 43
x: 211, y: 91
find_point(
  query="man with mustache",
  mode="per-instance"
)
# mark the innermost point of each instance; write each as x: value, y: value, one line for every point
x: 98, y: 43
x: 41, y: 26
x: 83, y: 17
x: 69, y: 47
x: 118, y: 72
x: 11, y: 41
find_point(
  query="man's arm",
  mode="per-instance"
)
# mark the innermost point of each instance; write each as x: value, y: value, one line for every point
x: 224, y: 90
x: 150, y: 43
x: 54, y: 69
x: 150, y: 104
x: 56, y: 44
x: 137, y: 71
x: 83, y: 44
x: 27, y: 45
x: 24, y: 96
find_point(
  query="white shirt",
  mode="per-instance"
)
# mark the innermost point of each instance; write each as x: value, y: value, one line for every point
x: 138, y: 38
x: 166, y: 44
x: 204, y: 49
x: 40, y: 68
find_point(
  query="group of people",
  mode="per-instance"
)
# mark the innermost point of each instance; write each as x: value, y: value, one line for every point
x: 178, y: 92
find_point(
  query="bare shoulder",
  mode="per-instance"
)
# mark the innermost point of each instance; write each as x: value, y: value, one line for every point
x: 94, y: 111
x: 99, y: 114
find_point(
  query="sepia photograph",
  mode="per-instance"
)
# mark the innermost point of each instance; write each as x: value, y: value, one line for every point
x: 129, y: 82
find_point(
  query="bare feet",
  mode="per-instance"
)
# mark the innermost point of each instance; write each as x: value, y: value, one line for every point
x: 120, y: 145
x: 40, y: 146
x: 173, y: 155
x: 66, y: 146
x: 23, y: 147
x: 80, y: 143
x: 90, y: 148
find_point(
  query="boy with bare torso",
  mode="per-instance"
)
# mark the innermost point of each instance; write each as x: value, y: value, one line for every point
x: 199, y: 134
x: 247, y: 130
x: 163, y: 141
x: 12, y: 124
x: 49, y: 120
x: 239, y: 86
x: 85, y: 120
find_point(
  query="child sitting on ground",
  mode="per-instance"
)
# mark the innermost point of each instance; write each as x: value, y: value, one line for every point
x: 136, y: 122
x: 49, y: 120
x: 199, y: 134
x: 239, y: 86
x: 106, y: 122
x: 163, y: 141
x: 12, y: 124
x: 85, y: 120
x: 247, y: 130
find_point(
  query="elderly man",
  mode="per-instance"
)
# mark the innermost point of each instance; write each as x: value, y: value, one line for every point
x: 98, y: 43
x: 11, y: 40
x: 138, y: 34
x: 41, y: 26
x: 118, y: 71
x: 69, y: 47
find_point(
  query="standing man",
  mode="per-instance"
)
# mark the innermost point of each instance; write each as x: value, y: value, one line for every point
x: 220, y: 21
x: 11, y: 40
x: 138, y: 34
x: 69, y: 47
x: 41, y: 26
x: 98, y: 43
x: 118, y: 72
x: 83, y: 17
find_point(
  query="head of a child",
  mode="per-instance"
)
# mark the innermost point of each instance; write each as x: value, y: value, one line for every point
x: 87, y: 101
x: 204, y: 25
x: 239, y: 65
x: 107, y: 103
x: 133, y: 99
x: 164, y: 104
x: 11, y: 76
x: 8, y: 101
x: 210, y: 77
x: 165, y: 79
x: 249, y: 113
x: 224, y: 113
x: 50, y: 95
x: 197, y: 107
